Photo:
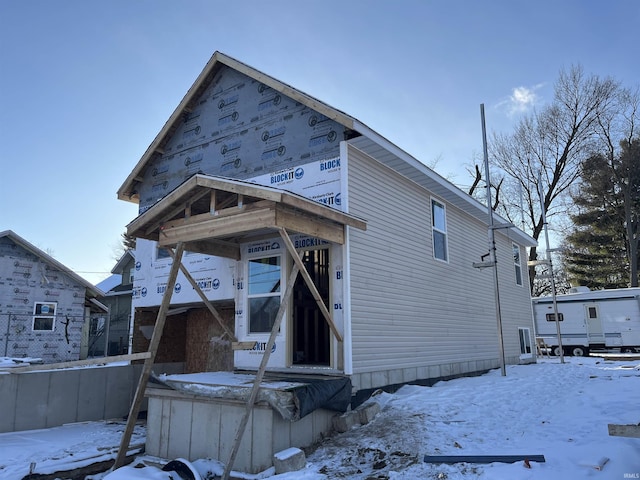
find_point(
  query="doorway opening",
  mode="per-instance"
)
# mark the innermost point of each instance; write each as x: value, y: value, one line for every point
x: 311, y: 338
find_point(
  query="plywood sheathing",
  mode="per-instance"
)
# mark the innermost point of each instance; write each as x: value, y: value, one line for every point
x: 172, y: 348
x: 209, y: 350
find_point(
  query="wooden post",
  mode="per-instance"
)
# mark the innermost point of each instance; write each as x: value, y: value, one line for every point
x: 309, y: 281
x: 148, y: 363
x: 260, y: 374
x: 204, y: 298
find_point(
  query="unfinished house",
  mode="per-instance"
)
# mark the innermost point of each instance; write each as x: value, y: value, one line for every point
x: 256, y: 181
x: 113, y: 339
x: 46, y: 310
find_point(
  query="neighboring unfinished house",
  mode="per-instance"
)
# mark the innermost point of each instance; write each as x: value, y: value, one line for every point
x: 247, y: 174
x: 45, y: 308
x: 118, y: 288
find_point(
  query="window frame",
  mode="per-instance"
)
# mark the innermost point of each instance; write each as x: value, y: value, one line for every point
x: 522, y: 338
x: 437, y: 231
x: 48, y: 316
x: 551, y: 317
x: 517, y: 264
x: 162, y: 253
x: 250, y: 296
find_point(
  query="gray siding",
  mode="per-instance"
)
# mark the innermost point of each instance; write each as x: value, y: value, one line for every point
x: 410, y: 311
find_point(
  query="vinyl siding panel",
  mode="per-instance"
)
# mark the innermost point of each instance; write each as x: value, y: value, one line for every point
x: 409, y: 310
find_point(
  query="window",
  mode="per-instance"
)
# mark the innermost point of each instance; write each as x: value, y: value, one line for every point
x: 525, y: 341
x: 264, y: 293
x: 517, y: 264
x: 162, y: 253
x: 593, y: 312
x: 439, y: 229
x: 551, y: 317
x: 44, y: 315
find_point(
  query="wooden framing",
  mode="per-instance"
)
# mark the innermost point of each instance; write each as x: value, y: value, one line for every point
x: 148, y: 363
x: 80, y: 363
x: 209, y: 208
x: 215, y: 215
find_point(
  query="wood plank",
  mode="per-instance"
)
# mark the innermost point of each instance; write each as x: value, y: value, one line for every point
x: 309, y: 281
x: 148, y: 363
x: 80, y: 363
x: 451, y: 459
x: 156, y: 211
x: 243, y: 345
x: 225, y: 212
x: 219, y: 227
x: 260, y: 373
x: 239, y: 187
x: 322, y: 210
x: 218, y: 248
x: 152, y: 228
x: 314, y: 227
x: 631, y: 431
x: 204, y: 298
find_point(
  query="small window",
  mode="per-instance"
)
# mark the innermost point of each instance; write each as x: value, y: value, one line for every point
x: 44, y: 315
x: 517, y: 264
x: 551, y: 317
x: 439, y: 230
x: 525, y: 341
x: 162, y: 253
x: 593, y: 312
x: 264, y: 293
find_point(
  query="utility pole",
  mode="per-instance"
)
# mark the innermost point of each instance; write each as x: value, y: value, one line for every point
x: 492, y: 245
x: 550, y: 264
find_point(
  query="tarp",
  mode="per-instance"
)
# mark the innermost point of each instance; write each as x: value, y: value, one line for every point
x: 292, y: 397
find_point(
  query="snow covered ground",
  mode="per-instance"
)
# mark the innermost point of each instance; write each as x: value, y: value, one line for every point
x: 557, y: 410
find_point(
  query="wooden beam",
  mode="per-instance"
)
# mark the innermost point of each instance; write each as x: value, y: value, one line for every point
x: 631, y: 431
x: 239, y: 187
x: 148, y: 363
x: 220, y: 213
x: 212, y: 202
x: 204, y: 298
x: 218, y: 248
x: 80, y: 363
x: 309, y: 281
x: 322, y: 210
x: 172, y: 212
x: 308, y: 225
x: 243, y: 345
x: 219, y: 227
x: 450, y: 459
x: 260, y: 373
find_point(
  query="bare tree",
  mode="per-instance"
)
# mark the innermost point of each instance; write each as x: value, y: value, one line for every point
x: 550, y: 145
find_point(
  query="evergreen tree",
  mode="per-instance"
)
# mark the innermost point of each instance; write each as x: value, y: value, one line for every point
x: 601, y: 251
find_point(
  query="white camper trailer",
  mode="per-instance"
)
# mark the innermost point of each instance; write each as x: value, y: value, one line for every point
x: 598, y: 319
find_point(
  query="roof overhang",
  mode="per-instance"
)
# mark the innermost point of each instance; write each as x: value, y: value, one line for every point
x: 385, y: 152
x: 214, y: 215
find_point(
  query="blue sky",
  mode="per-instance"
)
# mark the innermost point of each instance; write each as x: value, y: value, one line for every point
x: 86, y: 85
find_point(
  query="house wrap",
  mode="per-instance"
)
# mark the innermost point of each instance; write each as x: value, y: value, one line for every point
x: 46, y: 310
x: 389, y: 244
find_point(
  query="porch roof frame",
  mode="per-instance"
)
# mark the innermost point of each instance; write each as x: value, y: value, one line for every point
x: 230, y: 212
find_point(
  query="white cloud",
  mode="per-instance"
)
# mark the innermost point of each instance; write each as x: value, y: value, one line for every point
x: 522, y: 99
